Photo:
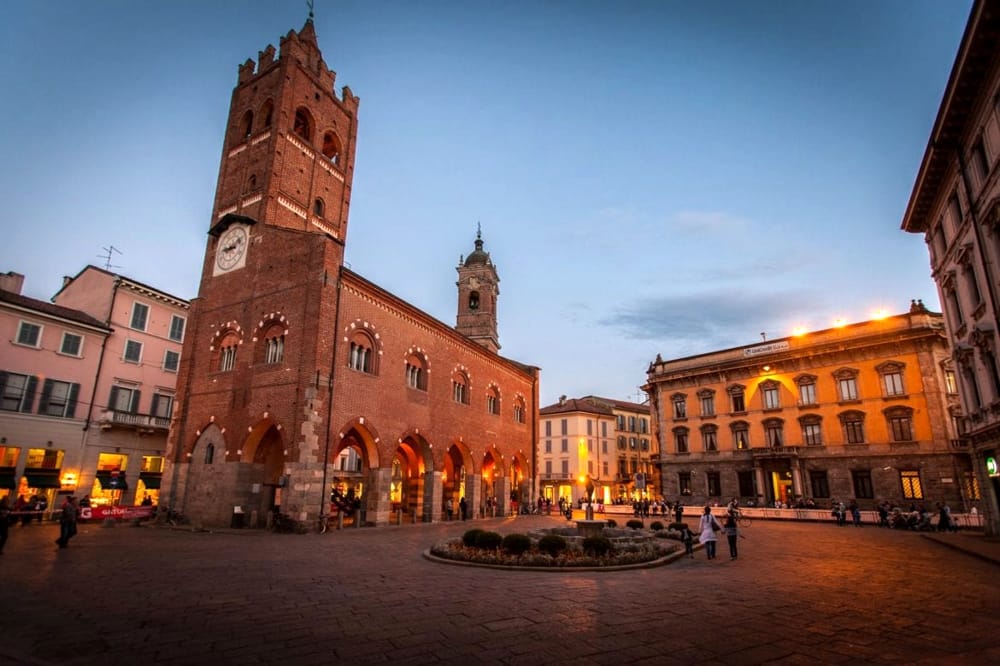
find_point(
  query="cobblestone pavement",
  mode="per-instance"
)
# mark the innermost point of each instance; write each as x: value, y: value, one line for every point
x: 798, y: 594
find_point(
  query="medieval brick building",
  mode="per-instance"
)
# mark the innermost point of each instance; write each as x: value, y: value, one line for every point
x: 300, y: 378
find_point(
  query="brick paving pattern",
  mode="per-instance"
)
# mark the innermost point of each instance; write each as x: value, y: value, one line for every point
x: 799, y: 593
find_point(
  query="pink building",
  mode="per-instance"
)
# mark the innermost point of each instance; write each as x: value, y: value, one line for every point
x: 87, y: 388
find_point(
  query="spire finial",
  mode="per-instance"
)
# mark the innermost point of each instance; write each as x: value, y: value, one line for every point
x: 479, y: 230
x: 309, y: 4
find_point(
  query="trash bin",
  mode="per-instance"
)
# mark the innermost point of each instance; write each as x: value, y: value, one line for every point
x: 237, y: 521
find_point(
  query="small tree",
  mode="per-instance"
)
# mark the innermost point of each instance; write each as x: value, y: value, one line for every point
x: 597, y: 545
x: 470, y: 537
x: 489, y: 540
x: 552, y: 544
x: 656, y: 526
x: 635, y: 524
x: 516, y: 544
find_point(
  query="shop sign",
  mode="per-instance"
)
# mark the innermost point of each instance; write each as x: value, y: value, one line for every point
x: 770, y: 348
x: 991, y: 466
x: 116, y: 512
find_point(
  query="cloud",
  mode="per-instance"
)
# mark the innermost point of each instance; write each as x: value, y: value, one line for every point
x: 710, y: 320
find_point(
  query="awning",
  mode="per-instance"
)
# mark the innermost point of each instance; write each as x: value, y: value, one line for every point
x: 7, y: 478
x: 39, y: 477
x: 151, y: 479
x: 112, y: 481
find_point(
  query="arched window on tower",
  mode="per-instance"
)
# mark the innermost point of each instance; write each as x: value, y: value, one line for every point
x: 331, y: 147
x: 416, y: 372
x: 493, y: 400
x: 474, y: 300
x: 227, y: 352
x: 246, y: 127
x: 362, y: 353
x: 252, y: 183
x: 318, y: 208
x: 303, y: 124
x: 266, y: 112
x: 460, y: 388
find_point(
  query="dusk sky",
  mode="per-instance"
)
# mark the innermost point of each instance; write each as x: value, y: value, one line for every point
x: 651, y: 177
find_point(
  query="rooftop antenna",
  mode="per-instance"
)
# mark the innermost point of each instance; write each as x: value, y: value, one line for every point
x: 109, y: 253
x: 309, y: 4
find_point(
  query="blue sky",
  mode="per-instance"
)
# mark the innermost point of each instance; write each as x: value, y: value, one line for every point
x: 651, y: 177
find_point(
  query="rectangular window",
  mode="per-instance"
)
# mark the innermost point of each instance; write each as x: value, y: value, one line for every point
x: 746, y: 483
x: 979, y: 159
x: 227, y: 361
x: 862, y: 484
x: 564, y: 445
x: 772, y: 398
x: 951, y: 385
x: 854, y: 431
x: 681, y: 439
x: 812, y: 434
x: 620, y: 422
x: 684, y: 481
x: 590, y: 427
x: 140, y: 314
x: 819, y: 483
x: 742, y: 438
x: 738, y: 403
x: 774, y: 435
x: 631, y: 424
x: 848, y: 388
x: 680, y: 409
x: 807, y: 394
x: 604, y: 429
x: 604, y: 468
x: 548, y: 468
x: 177, y: 328
x: 163, y: 405
x: 58, y: 399
x: 565, y: 468
x: 548, y: 446
x: 18, y: 392
x: 171, y: 361
x: 133, y: 351
x: 604, y: 446
x: 29, y: 335
x: 274, y: 352
x: 970, y: 486
x: 71, y: 345
x: 901, y: 427
x: 708, y: 405
x: 124, y: 399
x: 910, y: 480
x: 714, y: 484
x: 548, y: 428
x: 892, y: 383
x: 711, y: 444
x: 564, y: 427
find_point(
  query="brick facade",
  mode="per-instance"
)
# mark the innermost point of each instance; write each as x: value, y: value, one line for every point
x: 291, y: 360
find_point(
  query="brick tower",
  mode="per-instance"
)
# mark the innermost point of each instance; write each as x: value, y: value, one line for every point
x: 260, y: 338
x: 478, y: 290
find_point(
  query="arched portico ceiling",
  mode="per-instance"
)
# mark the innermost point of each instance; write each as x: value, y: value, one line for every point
x: 417, y: 450
x: 493, y: 459
x: 360, y: 433
x: 261, y: 436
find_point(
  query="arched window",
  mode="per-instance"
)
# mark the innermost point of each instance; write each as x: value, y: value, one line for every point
x: 900, y: 423
x: 251, y: 183
x: 807, y: 389
x: 891, y: 375
x: 274, y: 348
x: 774, y: 433
x: 266, y: 112
x: 493, y: 400
x: 709, y: 437
x: 246, y: 126
x: 318, y: 208
x: 474, y: 300
x: 847, y: 384
x: 362, y: 353
x: 853, y: 423
x: 681, y: 439
x: 227, y: 351
x: 331, y: 147
x: 741, y: 435
x: 416, y: 372
x: 460, y: 388
x: 209, y: 454
x: 679, y: 401
x: 812, y: 429
x: 303, y: 124
x: 519, y: 410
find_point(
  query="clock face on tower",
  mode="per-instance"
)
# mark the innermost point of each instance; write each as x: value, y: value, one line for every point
x: 230, y: 253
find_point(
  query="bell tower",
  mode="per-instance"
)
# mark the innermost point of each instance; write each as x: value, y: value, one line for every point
x: 288, y: 153
x: 478, y: 290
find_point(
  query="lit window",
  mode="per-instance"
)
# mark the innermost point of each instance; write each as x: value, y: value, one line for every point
x: 910, y: 480
x: 741, y: 435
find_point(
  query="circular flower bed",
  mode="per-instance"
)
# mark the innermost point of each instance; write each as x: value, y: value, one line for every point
x: 559, y: 548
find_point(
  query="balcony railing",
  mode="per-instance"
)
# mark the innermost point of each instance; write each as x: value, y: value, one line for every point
x: 144, y: 423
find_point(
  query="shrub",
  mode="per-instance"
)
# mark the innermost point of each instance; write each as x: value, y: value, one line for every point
x: 597, y: 545
x: 612, y: 522
x: 656, y: 525
x: 635, y: 524
x: 516, y: 544
x: 552, y: 544
x: 488, y: 541
x: 469, y: 538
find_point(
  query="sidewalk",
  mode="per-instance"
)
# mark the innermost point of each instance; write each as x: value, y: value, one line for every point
x: 971, y: 543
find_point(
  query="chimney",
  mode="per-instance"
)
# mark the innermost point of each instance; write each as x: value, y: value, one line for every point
x: 562, y: 400
x: 12, y: 282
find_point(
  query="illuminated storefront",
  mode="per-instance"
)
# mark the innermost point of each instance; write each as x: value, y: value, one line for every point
x: 110, y: 481
x: 8, y: 469
x: 42, y: 475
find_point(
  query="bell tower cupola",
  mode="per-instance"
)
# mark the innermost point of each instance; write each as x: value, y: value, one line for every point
x: 478, y: 291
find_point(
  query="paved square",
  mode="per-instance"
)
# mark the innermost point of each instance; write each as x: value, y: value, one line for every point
x: 799, y: 593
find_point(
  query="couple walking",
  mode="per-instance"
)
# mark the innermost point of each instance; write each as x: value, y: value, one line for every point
x: 709, y: 526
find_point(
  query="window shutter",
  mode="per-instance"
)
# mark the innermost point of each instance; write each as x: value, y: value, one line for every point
x: 29, y: 394
x: 155, y: 404
x: 3, y: 382
x: 74, y: 391
x: 133, y: 408
x: 43, y: 402
x: 113, y: 398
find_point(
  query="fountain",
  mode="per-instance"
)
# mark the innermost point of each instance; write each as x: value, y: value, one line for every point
x: 588, y: 527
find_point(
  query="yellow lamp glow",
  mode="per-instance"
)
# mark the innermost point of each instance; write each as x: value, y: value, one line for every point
x: 840, y: 322
x: 799, y: 330
x: 881, y: 313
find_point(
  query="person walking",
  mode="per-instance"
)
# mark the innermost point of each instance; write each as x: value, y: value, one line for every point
x: 4, y: 521
x: 678, y: 512
x: 463, y: 507
x: 707, y: 527
x: 732, y: 535
x: 67, y: 521
x: 687, y: 538
x: 449, y: 507
x: 855, y: 513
